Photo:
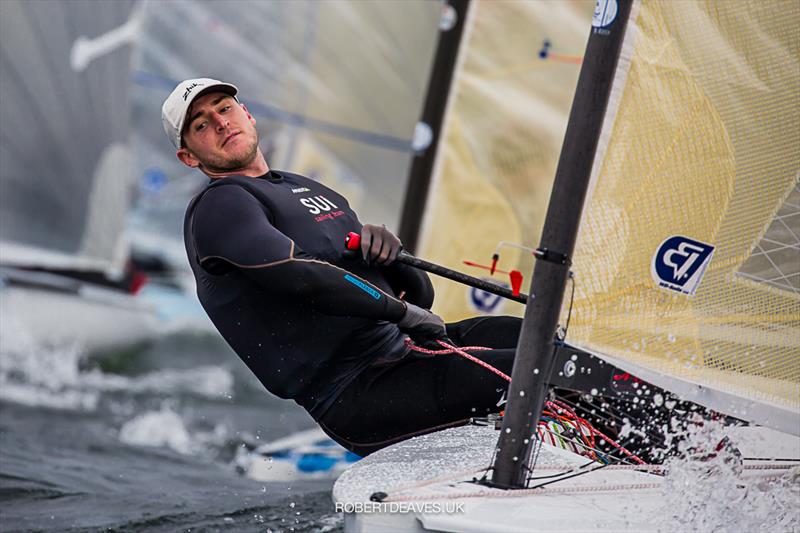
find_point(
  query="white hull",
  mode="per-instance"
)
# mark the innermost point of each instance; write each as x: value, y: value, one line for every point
x: 52, y: 310
x: 428, y: 477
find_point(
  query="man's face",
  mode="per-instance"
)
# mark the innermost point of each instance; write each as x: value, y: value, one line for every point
x: 219, y: 134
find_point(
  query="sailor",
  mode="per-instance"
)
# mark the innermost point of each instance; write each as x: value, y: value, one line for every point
x: 266, y: 249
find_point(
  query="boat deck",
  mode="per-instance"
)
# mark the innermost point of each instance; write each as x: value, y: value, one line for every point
x: 427, y: 486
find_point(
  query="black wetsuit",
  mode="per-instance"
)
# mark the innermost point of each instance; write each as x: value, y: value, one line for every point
x: 419, y: 394
x: 267, y: 257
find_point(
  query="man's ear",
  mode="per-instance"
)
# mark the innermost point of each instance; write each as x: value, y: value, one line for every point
x: 187, y: 158
x: 249, y: 116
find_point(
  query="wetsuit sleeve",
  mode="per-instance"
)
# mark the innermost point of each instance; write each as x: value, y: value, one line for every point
x: 412, y: 281
x: 232, y: 230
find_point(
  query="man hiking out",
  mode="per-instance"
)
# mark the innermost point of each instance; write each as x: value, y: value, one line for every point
x: 331, y: 333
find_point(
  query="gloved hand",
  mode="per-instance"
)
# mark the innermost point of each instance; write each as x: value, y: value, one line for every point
x: 379, y: 245
x: 424, y: 327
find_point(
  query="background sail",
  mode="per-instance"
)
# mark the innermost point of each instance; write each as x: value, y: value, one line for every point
x: 702, y: 142
x: 336, y: 88
x: 509, y: 103
x: 64, y: 167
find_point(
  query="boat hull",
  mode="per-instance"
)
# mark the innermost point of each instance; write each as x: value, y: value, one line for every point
x: 425, y: 479
x: 52, y: 310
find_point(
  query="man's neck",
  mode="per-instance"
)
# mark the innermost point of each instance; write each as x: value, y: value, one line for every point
x: 257, y: 167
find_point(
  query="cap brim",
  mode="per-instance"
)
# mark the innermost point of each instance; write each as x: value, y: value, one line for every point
x: 222, y: 87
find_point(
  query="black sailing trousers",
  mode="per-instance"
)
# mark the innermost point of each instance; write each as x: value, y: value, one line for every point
x: 421, y: 393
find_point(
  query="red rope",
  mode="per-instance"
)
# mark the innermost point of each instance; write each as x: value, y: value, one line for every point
x: 448, y: 349
x: 555, y: 406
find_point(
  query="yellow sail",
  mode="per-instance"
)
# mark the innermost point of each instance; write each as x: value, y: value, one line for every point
x: 687, y: 267
x: 502, y: 135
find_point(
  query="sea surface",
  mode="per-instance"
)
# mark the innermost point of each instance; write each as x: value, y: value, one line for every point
x: 152, y: 440
x: 145, y: 441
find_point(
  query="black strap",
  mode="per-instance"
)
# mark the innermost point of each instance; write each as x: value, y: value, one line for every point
x: 553, y: 257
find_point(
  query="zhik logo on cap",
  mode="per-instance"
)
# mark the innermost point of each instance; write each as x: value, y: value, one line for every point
x: 679, y: 264
x: 188, y: 91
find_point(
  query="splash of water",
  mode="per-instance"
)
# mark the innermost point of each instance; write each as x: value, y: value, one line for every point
x: 52, y: 376
x: 166, y: 428
x: 708, y: 490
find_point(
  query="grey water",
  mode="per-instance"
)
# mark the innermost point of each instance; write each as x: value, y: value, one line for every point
x: 144, y: 442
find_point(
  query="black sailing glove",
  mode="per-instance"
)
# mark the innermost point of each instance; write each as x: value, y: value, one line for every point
x: 424, y: 327
x: 379, y: 245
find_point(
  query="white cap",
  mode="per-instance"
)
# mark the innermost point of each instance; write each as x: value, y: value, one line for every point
x: 173, y: 112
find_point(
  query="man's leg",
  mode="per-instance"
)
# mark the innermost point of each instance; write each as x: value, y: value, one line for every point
x: 415, y: 396
x: 487, y: 331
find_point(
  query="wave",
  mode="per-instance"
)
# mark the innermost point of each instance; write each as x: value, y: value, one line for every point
x: 166, y: 428
x: 54, y: 377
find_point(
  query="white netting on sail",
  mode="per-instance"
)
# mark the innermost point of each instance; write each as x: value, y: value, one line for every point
x: 688, y: 261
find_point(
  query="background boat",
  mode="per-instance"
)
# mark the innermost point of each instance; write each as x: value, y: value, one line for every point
x: 65, y: 178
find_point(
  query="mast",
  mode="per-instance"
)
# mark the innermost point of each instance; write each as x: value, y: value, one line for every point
x: 440, y: 81
x: 534, y: 358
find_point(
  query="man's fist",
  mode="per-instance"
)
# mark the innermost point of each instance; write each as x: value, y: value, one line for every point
x: 424, y: 327
x: 379, y: 245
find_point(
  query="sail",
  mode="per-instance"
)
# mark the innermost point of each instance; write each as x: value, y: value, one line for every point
x: 64, y: 166
x: 508, y: 108
x: 687, y: 265
x: 336, y: 89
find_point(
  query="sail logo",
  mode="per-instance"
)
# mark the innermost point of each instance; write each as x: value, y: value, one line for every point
x: 679, y: 264
x: 485, y: 302
x: 605, y: 11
